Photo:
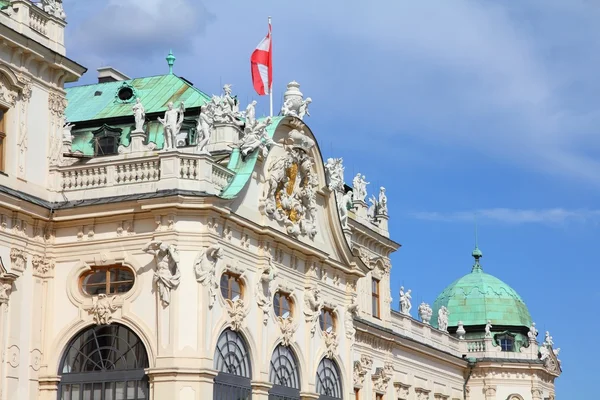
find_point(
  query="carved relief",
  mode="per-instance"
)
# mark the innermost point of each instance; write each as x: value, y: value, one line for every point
x: 205, y: 268
x: 422, y: 394
x: 42, y: 266
x: 382, y: 377
x: 402, y: 390
x: 287, y: 327
x: 290, y: 190
x: 235, y: 310
x: 35, y: 359
x: 5, y: 290
x: 313, y: 304
x: 361, y: 369
x: 7, y: 93
x: 14, y: 353
x: 18, y: 259
x: 331, y: 343
x: 22, y: 138
x: 167, y: 274
x: 102, y: 309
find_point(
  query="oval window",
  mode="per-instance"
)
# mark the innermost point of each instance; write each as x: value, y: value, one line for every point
x: 107, y: 280
x: 125, y: 93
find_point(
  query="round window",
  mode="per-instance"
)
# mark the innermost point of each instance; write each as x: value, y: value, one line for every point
x: 107, y: 280
x: 125, y: 93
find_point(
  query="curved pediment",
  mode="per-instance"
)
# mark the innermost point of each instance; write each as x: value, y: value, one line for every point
x: 288, y: 189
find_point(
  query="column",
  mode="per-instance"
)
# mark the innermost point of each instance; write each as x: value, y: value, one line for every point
x: 260, y: 390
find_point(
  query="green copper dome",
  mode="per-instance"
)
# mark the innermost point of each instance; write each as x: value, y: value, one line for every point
x: 478, y: 297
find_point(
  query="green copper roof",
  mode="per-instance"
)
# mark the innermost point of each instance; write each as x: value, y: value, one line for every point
x: 478, y: 297
x: 243, y: 168
x: 99, y: 101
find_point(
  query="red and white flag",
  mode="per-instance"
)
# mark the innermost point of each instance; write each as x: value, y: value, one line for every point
x: 261, y: 65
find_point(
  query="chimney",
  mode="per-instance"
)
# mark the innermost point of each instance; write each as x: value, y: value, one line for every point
x: 109, y: 74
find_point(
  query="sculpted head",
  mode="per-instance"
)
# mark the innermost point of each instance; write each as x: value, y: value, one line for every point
x: 164, y: 246
x: 170, y: 105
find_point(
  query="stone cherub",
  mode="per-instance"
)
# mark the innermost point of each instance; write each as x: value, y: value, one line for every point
x: 167, y: 275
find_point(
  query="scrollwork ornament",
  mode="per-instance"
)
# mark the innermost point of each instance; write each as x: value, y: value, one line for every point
x: 236, y: 312
x: 287, y: 327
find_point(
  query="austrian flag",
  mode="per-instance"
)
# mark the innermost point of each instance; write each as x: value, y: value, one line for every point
x: 261, y: 65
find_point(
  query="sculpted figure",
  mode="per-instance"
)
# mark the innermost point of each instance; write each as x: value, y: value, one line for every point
x: 358, y: 191
x: 67, y: 136
x: 312, y: 307
x: 257, y: 138
x: 5, y: 289
x: 205, y: 268
x: 172, y: 125
x: 167, y: 275
x: 344, y: 203
x: 102, y: 309
x: 251, y: 113
x: 443, y: 319
x: 488, y: 329
x: 228, y: 100
x: 382, y: 204
x: 548, y: 340
x: 303, y: 109
x: 204, y: 128
x: 351, y: 311
x: 405, y: 301
x: 287, y: 109
x: 335, y: 173
x: 139, y: 113
x: 533, y: 332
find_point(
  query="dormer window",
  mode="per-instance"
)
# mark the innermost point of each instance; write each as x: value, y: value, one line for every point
x: 106, y: 140
x: 125, y: 93
x: 506, y: 342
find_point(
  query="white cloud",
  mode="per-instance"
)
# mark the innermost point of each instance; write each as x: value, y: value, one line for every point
x: 513, y: 216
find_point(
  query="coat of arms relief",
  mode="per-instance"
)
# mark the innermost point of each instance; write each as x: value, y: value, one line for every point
x: 290, y: 195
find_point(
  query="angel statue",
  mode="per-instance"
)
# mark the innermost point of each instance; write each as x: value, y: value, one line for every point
x: 102, y: 309
x: 167, y: 275
x: 205, y: 268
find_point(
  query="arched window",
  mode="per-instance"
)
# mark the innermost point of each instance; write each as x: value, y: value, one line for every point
x: 104, y: 362
x: 233, y: 363
x: 329, y: 384
x: 284, y: 375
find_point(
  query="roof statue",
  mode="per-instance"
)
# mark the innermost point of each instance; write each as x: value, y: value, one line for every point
x: 250, y: 113
x: 172, y: 122
x: 360, y: 187
x: 294, y: 105
x: 405, y: 301
x: 425, y: 313
x: 204, y: 126
x: 488, y: 329
x: 139, y: 113
x: 460, y: 331
x: 256, y: 137
x: 334, y: 169
x: 442, y: 319
x: 533, y: 332
x: 225, y: 108
x: 54, y: 8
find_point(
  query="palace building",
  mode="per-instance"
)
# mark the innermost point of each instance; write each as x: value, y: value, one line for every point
x: 158, y: 242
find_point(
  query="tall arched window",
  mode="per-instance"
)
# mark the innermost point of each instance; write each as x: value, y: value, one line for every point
x: 329, y: 384
x: 104, y: 362
x: 233, y: 363
x: 284, y: 375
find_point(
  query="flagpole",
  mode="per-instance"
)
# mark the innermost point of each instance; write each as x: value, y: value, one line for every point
x: 271, y: 67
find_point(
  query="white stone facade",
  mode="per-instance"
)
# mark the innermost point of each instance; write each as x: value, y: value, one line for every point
x: 60, y: 219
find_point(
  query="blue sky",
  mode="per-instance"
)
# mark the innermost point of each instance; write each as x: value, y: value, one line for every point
x: 460, y: 109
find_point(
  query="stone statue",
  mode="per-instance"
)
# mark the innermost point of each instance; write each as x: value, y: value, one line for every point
x: 67, y: 136
x: 167, y: 275
x: 443, y: 319
x: 54, y: 8
x: 425, y: 313
x: 205, y: 268
x: 172, y: 125
x: 251, y: 113
x: 533, y: 332
x: 267, y: 276
x: 351, y: 312
x: 335, y: 174
x: 204, y: 127
x: 257, y: 138
x: 226, y: 108
x: 488, y: 329
x: 359, y: 194
x: 382, y: 204
x: 548, y: 342
x: 139, y: 114
x: 228, y: 101
x: 303, y: 109
x: 102, y: 309
x: 312, y: 307
x: 405, y: 301
x: 344, y: 203
x: 5, y: 289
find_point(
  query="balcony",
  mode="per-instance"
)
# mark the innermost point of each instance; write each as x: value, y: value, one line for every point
x: 139, y: 173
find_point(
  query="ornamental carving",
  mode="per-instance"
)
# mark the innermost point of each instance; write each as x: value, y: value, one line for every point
x: 236, y: 312
x: 57, y: 104
x: 402, y: 390
x: 422, y: 394
x: 351, y: 312
x: 205, y: 268
x: 102, y: 309
x: 42, y: 266
x: 382, y: 377
x: 18, y: 259
x: 291, y: 186
x: 287, y: 327
x: 5, y: 290
x: 361, y: 369
x: 167, y: 274
x: 7, y: 93
x: 264, y: 293
x: 331, y: 344
x: 313, y: 303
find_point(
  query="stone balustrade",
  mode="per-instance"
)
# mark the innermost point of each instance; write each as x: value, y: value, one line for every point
x: 144, y: 173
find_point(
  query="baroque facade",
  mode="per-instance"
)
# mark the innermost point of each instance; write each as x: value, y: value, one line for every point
x: 161, y: 243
